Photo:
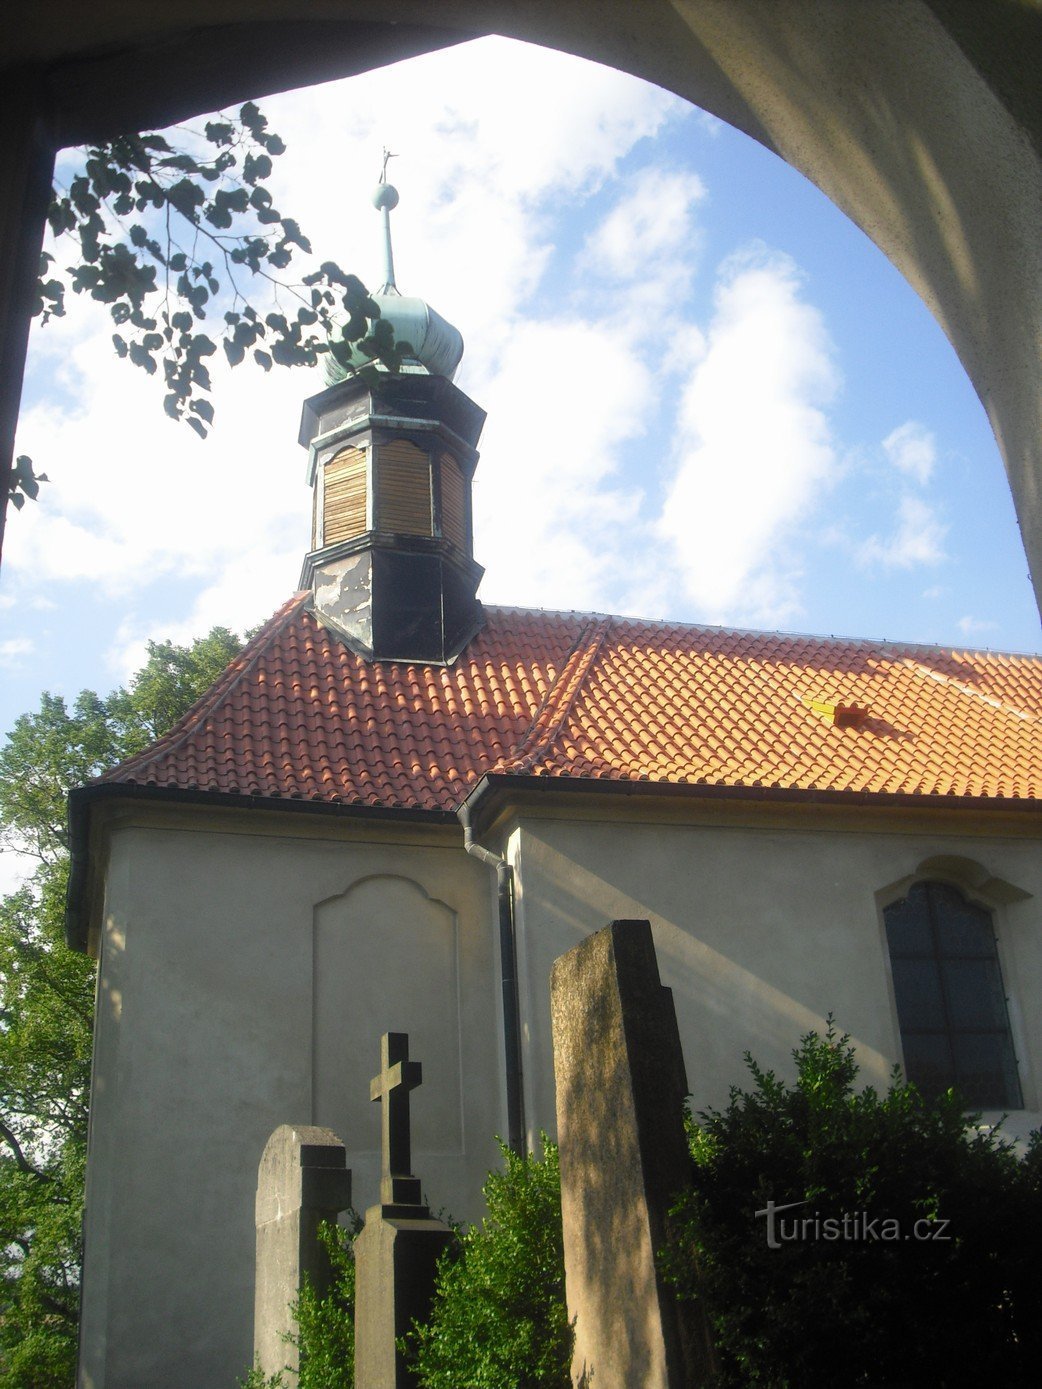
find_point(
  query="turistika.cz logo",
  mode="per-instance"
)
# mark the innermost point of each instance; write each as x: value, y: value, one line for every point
x: 851, y: 1226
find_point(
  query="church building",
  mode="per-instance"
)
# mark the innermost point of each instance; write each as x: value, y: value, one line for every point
x: 399, y: 805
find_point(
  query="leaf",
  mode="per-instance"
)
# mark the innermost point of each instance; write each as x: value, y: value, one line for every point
x: 195, y: 424
x: 204, y: 409
x: 262, y: 358
x: 219, y: 132
x: 255, y: 168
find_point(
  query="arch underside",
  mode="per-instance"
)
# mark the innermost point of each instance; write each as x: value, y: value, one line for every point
x: 918, y: 118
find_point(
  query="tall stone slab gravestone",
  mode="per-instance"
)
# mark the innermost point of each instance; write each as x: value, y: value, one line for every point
x: 302, y: 1180
x: 397, y: 1251
x: 621, y: 1086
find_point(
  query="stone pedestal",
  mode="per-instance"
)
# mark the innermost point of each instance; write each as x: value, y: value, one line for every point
x: 395, y: 1258
x: 302, y: 1180
x: 621, y: 1086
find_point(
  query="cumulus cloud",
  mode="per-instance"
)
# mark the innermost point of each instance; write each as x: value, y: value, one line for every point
x: 912, y: 449
x: 551, y: 509
x: 974, y: 626
x: 917, y: 539
x: 14, y: 649
x: 652, y: 222
x: 754, y: 450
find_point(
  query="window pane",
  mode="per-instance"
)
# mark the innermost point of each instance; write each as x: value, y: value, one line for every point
x: 917, y: 991
x: 985, y: 1070
x: 973, y: 990
x: 928, y: 1061
x: 962, y: 927
x: 908, y: 924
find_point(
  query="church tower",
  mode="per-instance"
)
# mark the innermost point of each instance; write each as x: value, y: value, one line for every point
x: 391, y: 459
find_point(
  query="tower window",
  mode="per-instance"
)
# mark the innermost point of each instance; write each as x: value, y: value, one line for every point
x: 343, y: 501
x: 403, y: 488
x: 453, y: 502
x: 951, y: 1004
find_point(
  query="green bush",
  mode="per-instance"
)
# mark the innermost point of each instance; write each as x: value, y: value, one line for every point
x: 498, y: 1320
x: 950, y: 1301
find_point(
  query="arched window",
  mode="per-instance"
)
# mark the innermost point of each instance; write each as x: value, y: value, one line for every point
x: 951, y: 1004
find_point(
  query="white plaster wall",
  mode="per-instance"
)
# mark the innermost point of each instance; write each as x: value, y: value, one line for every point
x: 219, y: 1019
x: 206, y: 1042
x: 760, y: 932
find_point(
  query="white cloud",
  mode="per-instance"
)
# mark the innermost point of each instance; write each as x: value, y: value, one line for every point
x: 917, y: 538
x: 14, y: 649
x: 912, y: 449
x: 754, y: 449
x: 553, y: 515
x: 970, y: 626
x: 651, y: 223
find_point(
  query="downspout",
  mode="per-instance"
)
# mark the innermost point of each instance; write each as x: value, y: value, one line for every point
x: 508, y: 964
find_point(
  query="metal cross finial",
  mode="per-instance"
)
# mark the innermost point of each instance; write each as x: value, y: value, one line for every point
x: 398, y: 1075
x: 388, y: 154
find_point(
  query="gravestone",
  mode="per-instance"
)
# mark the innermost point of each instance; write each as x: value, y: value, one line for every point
x: 621, y: 1086
x: 399, y: 1245
x: 302, y: 1180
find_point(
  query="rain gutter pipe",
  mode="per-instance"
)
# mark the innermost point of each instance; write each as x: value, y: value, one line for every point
x: 508, y: 966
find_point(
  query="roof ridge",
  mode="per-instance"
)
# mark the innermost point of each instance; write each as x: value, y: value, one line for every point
x: 559, y: 701
x: 893, y: 643
x: 235, y: 671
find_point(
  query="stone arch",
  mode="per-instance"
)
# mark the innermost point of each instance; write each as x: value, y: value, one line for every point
x: 918, y: 118
x: 386, y: 959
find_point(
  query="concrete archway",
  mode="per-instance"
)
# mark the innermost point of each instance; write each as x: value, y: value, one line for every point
x: 918, y: 118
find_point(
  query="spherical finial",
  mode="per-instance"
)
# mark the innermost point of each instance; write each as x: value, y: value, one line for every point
x: 385, y: 195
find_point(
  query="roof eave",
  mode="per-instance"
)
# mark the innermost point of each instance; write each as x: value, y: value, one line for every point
x: 495, y: 787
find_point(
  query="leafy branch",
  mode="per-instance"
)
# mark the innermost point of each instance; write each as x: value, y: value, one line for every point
x: 24, y: 482
x: 167, y: 237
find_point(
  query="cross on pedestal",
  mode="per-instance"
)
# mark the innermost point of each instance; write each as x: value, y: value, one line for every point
x: 398, y: 1075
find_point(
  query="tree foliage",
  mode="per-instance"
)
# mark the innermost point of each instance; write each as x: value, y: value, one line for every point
x: 943, y: 1296
x: 499, y: 1320
x: 47, y: 999
x: 184, y: 243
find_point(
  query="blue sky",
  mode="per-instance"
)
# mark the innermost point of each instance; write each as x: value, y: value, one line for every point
x: 710, y: 397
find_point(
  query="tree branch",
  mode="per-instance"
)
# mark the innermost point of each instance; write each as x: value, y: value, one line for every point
x: 21, y: 1160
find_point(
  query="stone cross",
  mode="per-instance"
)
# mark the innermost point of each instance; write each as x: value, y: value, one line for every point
x: 397, y: 1251
x: 398, y: 1076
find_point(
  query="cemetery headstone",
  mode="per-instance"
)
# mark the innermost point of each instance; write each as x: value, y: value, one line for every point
x: 302, y: 1180
x: 621, y: 1086
x: 398, y: 1248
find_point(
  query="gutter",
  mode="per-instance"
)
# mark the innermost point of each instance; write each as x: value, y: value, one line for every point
x: 508, y: 966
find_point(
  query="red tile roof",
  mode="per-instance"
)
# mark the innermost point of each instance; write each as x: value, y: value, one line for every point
x: 298, y: 715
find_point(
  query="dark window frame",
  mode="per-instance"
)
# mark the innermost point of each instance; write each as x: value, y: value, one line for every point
x: 927, y: 911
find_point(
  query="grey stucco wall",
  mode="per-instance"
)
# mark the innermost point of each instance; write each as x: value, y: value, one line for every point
x: 248, y: 969
x: 211, y: 1032
x: 760, y: 932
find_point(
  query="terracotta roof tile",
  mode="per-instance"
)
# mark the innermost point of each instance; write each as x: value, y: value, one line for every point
x: 575, y: 695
